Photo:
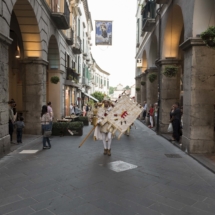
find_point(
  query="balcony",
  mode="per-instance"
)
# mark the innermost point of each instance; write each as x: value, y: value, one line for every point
x: 85, y: 82
x: 60, y: 13
x: 148, y: 16
x: 69, y: 36
x: 76, y: 48
x: 162, y: 1
x: 72, y: 77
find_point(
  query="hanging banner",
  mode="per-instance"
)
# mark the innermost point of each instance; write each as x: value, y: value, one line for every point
x: 103, y: 33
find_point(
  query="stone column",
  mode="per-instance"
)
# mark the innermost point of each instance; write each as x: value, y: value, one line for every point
x: 169, y: 92
x: 199, y: 97
x: 4, y: 89
x: 143, y: 88
x: 151, y: 87
x: 34, y: 93
x: 54, y: 92
x: 138, y: 86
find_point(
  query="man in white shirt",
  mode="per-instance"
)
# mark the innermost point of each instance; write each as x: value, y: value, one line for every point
x: 72, y: 111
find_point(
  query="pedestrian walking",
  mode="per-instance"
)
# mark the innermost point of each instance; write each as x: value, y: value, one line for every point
x: 51, y: 113
x: 156, y: 114
x: 151, y: 116
x: 45, y: 122
x: 19, y: 126
x: 176, y: 122
x: 101, y: 132
x: 72, y: 111
x: 11, y: 119
x: 84, y: 110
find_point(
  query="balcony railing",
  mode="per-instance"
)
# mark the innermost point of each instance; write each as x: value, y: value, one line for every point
x: 69, y: 36
x: 85, y: 81
x: 76, y: 48
x: 60, y: 13
x: 148, y: 16
x: 72, y: 75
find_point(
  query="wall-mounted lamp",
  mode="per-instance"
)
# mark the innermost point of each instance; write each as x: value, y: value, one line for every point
x: 17, y: 52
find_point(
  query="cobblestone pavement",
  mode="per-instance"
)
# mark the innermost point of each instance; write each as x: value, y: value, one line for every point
x: 67, y: 180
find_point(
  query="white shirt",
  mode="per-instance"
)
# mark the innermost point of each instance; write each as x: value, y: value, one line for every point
x: 71, y: 109
x: 145, y: 107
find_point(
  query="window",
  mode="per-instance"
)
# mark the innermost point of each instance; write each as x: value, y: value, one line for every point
x: 84, y: 71
x: 67, y: 60
x: 138, y: 30
x: 78, y: 64
x: 83, y: 45
x: 79, y: 28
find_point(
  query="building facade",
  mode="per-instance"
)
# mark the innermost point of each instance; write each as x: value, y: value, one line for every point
x: 100, y: 80
x: 168, y: 37
x: 42, y: 41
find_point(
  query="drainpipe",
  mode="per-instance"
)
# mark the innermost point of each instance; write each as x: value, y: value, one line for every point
x: 159, y: 68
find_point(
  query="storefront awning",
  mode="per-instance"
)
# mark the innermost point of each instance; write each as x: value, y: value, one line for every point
x: 90, y: 97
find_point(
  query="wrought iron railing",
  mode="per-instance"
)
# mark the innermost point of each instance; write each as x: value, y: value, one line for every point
x: 148, y: 11
x: 66, y: 11
x: 56, y: 8
x: 71, y: 74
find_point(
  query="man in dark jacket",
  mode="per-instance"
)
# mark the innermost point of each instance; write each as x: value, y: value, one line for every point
x: 176, y: 122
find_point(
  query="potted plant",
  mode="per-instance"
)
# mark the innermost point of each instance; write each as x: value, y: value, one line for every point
x: 55, y: 79
x: 143, y: 83
x: 170, y: 71
x: 208, y: 37
x: 137, y: 89
x: 152, y: 77
x: 61, y: 128
x: 70, y: 77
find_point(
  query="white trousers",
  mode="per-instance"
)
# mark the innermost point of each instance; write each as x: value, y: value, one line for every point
x: 151, y: 121
x: 106, y: 140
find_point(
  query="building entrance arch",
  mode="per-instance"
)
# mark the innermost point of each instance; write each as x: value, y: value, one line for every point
x: 27, y: 73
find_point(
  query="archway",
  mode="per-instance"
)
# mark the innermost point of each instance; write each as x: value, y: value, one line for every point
x: 172, y: 35
x: 153, y: 52
x: 53, y: 53
x: 53, y: 90
x: 144, y: 62
x: 29, y: 28
x: 172, y: 57
x: 26, y: 69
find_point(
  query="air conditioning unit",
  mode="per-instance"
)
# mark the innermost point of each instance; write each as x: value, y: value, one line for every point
x: 139, y: 63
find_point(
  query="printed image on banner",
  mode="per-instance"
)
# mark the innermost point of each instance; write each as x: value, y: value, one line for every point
x: 103, y: 33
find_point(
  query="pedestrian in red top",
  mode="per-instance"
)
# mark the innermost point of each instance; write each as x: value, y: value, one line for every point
x: 151, y: 114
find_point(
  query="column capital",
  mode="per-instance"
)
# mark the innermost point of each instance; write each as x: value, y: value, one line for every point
x: 143, y: 74
x: 55, y: 71
x: 169, y: 61
x: 151, y: 69
x: 5, y: 39
x: 35, y: 60
x: 191, y: 41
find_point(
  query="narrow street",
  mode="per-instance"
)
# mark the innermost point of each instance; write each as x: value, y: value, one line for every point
x: 71, y: 181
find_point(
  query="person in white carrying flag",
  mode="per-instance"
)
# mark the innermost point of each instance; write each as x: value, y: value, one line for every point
x: 101, y: 132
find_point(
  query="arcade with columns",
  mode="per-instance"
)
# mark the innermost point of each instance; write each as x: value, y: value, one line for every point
x: 169, y: 36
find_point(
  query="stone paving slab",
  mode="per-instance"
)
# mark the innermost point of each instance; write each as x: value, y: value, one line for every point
x: 67, y: 180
